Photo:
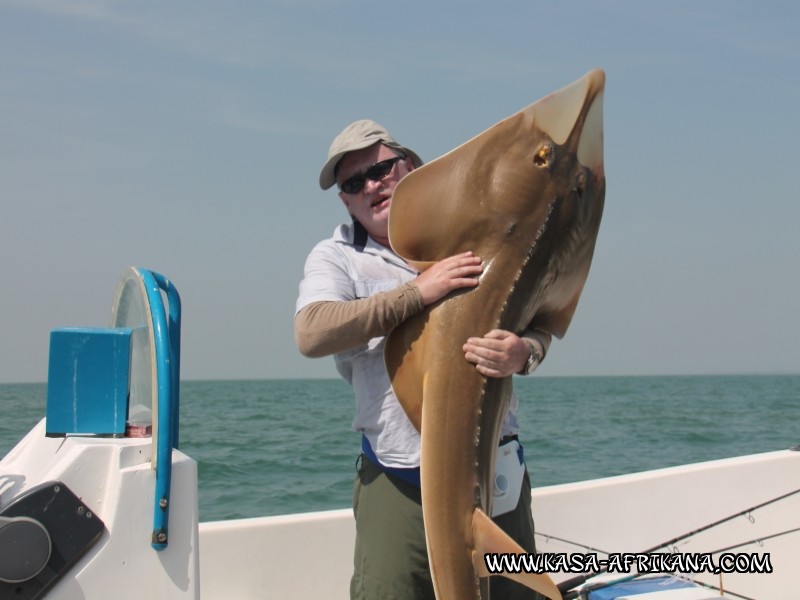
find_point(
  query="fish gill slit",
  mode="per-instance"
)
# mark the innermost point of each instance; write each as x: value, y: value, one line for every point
x: 539, y: 234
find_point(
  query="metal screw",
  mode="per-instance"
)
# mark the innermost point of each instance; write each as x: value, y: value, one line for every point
x: 163, y: 503
x: 81, y: 510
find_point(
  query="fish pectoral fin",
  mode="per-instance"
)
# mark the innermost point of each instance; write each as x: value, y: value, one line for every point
x: 490, y: 539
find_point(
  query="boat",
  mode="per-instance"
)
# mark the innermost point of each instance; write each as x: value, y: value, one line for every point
x: 98, y: 501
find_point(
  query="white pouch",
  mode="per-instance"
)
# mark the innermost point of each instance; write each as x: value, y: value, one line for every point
x: 509, y: 469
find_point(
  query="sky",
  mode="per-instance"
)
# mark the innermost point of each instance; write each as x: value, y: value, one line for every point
x: 187, y: 138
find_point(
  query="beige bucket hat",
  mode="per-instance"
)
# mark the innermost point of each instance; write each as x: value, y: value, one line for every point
x: 356, y: 136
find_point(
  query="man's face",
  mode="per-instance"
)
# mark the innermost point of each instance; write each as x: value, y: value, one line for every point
x: 370, y: 205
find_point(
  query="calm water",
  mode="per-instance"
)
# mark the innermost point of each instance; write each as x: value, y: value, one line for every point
x: 280, y: 446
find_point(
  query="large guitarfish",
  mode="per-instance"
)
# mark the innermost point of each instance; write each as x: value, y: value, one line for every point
x: 527, y: 197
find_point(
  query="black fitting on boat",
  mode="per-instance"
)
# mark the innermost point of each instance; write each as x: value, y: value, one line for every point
x: 43, y: 533
x: 25, y: 549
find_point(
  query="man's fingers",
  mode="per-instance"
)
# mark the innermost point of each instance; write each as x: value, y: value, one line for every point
x: 449, y: 274
x: 498, y: 334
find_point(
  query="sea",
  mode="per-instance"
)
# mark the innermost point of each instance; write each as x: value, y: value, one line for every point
x: 285, y: 446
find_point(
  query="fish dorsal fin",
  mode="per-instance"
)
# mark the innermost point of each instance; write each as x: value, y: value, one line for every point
x: 490, y: 539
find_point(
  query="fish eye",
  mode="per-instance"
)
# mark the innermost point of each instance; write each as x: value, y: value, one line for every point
x: 544, y: 156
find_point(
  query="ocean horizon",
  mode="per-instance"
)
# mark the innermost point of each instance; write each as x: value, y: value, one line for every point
x: 277, y: 446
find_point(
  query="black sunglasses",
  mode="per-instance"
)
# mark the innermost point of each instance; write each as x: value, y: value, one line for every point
x: 375, y: 172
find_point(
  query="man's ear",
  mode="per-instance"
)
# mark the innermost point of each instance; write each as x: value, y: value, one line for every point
x: 345, y: 201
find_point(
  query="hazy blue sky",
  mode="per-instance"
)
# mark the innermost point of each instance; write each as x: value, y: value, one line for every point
x: 187, y: 137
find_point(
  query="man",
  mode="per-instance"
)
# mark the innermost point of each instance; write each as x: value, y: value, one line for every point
x: 354, y: 292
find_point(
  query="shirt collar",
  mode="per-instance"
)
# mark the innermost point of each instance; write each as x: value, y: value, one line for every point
x: 354, y: 234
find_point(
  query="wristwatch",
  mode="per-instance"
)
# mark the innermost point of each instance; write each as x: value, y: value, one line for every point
x: 533, y: 360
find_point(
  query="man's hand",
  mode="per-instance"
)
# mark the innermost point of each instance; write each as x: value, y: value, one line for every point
x: 497, y: 354
x: 452, y: 273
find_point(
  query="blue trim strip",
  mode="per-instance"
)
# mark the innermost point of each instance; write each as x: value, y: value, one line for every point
x: 167, y: 345
x: 408, y: 475
x: 412, y: 475
x: 174, y: 328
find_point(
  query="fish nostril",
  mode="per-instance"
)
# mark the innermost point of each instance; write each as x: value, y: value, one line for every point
x: 579, y: 184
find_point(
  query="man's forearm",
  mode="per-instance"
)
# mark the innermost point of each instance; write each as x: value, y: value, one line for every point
x: 328, y: 327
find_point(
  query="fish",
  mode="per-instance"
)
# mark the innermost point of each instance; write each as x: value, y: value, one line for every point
x: 526, y: 196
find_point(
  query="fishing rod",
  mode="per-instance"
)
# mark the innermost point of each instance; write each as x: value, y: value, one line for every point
x: 569, y: 584
x: 757, y: 540
x: 549, y: 537
x: 575, y: 593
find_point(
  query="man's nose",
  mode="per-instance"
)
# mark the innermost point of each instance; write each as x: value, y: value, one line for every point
x: 371, y: 185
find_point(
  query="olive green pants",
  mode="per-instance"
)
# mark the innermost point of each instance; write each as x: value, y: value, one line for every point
x: 391, y: 558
